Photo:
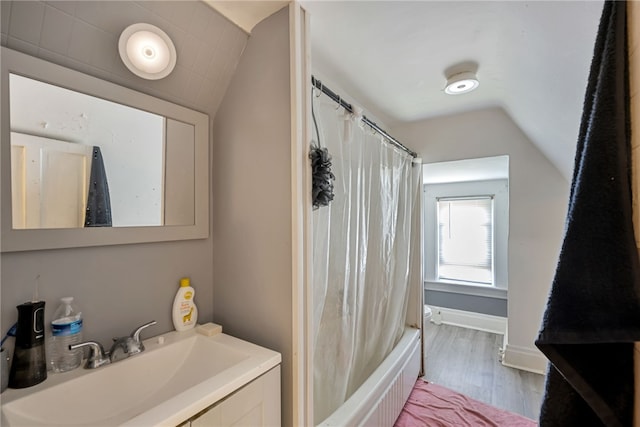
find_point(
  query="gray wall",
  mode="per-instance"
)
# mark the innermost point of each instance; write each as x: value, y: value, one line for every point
x: 120, y: 287
x: 253, y: 203
x: 538, y: 197
x: 473, y: 303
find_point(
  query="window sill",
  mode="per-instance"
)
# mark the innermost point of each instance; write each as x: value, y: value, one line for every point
x: 459, y: 288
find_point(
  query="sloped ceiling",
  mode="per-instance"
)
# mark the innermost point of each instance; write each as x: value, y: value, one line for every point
x: 246, y: 13
x: 83, y: 35
x: 532, y: 59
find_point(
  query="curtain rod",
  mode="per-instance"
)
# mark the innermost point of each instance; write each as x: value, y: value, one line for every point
x: 337, y: 98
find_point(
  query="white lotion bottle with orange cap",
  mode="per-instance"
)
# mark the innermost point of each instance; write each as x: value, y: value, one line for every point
x: 185, y: 312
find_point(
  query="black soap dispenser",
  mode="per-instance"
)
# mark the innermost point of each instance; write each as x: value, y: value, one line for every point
x: 29, y: 366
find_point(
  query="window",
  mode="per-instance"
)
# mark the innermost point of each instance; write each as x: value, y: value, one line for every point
x: 466, y: 226
x: 465, y: 239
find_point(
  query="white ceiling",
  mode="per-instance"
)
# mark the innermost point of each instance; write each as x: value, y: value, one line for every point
x: 532, y: 60
x: 246, y: 13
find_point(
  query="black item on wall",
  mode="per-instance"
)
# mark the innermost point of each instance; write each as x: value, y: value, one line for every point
x: 321, y: 175
x: 98, y: 212
x: 593, y: 314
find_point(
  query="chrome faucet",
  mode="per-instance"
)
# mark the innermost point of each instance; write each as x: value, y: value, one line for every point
x: 124, y: 347
x: 97, y: 356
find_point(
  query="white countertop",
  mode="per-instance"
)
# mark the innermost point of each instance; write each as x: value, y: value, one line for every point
x: 178, y: 375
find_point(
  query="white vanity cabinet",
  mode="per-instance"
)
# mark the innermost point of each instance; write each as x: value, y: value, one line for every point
x: 181, y: 378
x: 256, y: 404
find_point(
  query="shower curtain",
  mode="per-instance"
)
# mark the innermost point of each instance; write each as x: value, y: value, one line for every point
x: 361, y: 255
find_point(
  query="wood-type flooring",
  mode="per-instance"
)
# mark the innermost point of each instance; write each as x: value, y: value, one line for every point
x: 468, y: 361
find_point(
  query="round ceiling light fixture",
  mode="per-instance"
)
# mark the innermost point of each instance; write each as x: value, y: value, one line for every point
x: 461, y: 83
x: 147, y: 51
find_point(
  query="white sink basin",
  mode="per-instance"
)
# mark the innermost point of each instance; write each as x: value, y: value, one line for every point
x: 164, y: 385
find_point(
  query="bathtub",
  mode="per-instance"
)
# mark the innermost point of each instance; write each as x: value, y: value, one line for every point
x: 381, y: 397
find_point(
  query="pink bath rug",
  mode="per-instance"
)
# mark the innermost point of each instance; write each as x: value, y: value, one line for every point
x: 431, y: 405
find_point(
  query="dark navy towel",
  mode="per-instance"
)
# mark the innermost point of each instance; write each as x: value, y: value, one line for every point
x: 98, y: 212
x: 593, y: 313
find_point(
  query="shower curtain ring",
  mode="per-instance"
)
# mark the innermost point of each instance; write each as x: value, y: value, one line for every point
x: 339, y: 103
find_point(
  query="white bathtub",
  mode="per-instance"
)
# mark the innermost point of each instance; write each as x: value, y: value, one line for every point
x: 379, y: 400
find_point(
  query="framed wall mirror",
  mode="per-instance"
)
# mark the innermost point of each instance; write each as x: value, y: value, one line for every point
x: 85, y: 162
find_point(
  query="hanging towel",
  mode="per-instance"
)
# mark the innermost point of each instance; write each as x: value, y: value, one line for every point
x: 98, y: 212
x: 593, y: 312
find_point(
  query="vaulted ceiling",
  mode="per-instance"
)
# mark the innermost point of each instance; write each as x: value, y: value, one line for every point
x: 532, y: 59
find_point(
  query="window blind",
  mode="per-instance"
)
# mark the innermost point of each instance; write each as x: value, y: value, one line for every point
x: 465, y: 239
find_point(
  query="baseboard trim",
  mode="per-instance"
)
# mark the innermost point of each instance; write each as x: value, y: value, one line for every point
x: 468, y: 319
x: 524, y: 358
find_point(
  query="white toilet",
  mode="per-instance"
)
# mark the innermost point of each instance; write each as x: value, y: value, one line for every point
x: 427, y: 316
x: 425, y: 324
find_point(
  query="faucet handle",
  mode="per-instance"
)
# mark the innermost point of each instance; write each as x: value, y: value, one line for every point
x: 135, y: 335
x: 97, y: 355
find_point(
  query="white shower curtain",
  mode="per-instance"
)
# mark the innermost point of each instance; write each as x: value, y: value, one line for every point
x: 361, y: 253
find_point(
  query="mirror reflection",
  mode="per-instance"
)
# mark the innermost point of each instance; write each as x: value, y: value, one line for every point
x: 81, y: 161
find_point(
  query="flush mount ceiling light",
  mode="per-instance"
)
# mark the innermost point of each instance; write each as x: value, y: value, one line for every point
x: 461, y: 83
x: 147, y: 51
